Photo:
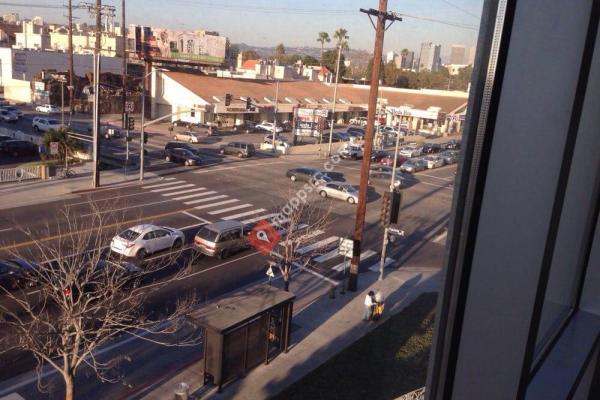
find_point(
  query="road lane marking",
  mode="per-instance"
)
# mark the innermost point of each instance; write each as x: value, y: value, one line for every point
x: 377, y: 266
x: 6, y: 230
x: 189, y: 214
x: 204, y: 171
x: 162, y: 184
x: 221, y: 196
x: 304, y: 237
x: 440, y: 237
x: 126, y: 208
x: 302, y: 251
x: 171, y: 188
x: 327, y: 256
x: 256, y: 219
x: 437, y: 177
x: 363, y: 256
x: 244, y: 214
x: 224, y: 210
x: 219, y: 203
x: 184, y: 191
x: 91, y: 200
x: 191, y: 196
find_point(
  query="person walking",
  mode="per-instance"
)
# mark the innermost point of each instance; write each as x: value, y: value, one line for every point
x: 378, y: 306
x: 368, y: 312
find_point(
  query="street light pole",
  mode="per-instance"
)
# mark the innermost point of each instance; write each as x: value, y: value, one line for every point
x: 275, y: 118
x: 62, y: 103
x: 337, y: 74
x: 142, y: 128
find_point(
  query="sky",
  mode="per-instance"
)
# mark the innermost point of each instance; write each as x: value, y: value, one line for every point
x: 291, y: 22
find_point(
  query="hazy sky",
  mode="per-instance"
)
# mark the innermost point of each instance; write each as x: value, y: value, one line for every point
x: 292, y: 22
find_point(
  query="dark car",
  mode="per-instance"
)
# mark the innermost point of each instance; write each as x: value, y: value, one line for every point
x: 16, y: 274
x: 337, y: 137
x: 307, y: 175
x: 389, y: 160
x: 240, y: 149
x: 4, y: 138
x: 431, y: 148
x: 246, y: 127
x: 179, y: 145
x: 453, y: 144
x: 182, y: 156
x: 355, y: 131
x: 17, y: 148
x: 378, y: 155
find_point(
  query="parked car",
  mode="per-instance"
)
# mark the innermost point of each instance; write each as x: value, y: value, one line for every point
x: 351, y: 152
x: 141, y: 240
x: 339, y: 190
x: 18, y: 148
x: 434, y: 162
x: 384, y: 178
x: 360, y: 121
x: 3, y: 101
x: 307, y: 175
x: 181, y: 145
x: 431, y: 148
x: 240, y: 149
x: 449, y: 156
x: 222, y: 239
x: 413, y: 165
x: 246, y: 127
x: 410, y: 151
x: 286, y: 126
x: 14, y: 110
x: 453, y: 144
x: 187, y: 136
x: 355, y: 131
x: 8, y: 116
x: 378, y: 155
x: 182, y: 156
x: 41, y: 124
x: 17, y: 274
x: 337, y: 137
x: 269, y: 127
x: 47, y: 108
x: 389, y: 160
x: 279, y: 140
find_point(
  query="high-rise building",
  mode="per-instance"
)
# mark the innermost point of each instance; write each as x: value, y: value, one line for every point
x: 429, y: 58
x: 390, y: 56
x: 407, y: 60
x: 457, y: 54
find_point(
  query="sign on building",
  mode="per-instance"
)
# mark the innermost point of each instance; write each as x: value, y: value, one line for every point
x: 309, y: 121
x: 129, y: 106
x: 54, y: 148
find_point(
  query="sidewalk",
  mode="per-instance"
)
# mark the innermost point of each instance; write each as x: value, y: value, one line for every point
x: 321, y: 328
x: 35, y: 192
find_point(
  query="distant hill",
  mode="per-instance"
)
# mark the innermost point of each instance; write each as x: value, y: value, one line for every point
x: 359, y: 58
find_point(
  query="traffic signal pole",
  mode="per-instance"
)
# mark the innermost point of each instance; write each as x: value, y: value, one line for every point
x: 361, y: 208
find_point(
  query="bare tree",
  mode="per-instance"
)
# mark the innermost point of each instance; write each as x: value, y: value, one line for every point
x: 305, y: 214
x: 84, y: 298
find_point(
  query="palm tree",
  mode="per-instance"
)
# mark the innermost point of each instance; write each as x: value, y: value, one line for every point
x: 341, y: 36
x: 66, y: 144
x: 323, y: 37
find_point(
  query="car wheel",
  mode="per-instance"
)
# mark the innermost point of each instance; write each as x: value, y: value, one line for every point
x: 36, y: 128
x: 177, y: 244
x: 191, y: 140
x: 222, y: 151
x: 175, y: 137
x: 223, y: 254
x: 168, y: 159
x: 351, y: 200
x: 141, y: 254
x: 240, y: 155
x: 293, y: 178
x: 323, y: 193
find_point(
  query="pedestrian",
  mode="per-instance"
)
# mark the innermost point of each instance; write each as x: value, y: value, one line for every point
x: 378, y: 306
x: 368, y: 312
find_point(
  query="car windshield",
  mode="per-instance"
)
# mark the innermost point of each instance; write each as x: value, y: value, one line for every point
x: 207, y: 234
x: 129, y: 235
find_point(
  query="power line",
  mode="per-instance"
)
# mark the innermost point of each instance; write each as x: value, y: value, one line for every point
x: 30, y: 5
x: 472, y: 14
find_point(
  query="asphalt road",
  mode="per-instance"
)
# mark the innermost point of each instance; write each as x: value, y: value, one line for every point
x: 227, y: 187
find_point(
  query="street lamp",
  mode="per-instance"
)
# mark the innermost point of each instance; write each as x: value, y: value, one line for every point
x: 337, y: 75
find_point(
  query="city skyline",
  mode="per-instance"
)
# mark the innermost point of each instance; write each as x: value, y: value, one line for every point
x: 455, y: 22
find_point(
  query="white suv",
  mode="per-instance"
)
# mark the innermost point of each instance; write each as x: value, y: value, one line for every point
x: 268, y: 126
x: 47, y: 108
x: 41, y: 124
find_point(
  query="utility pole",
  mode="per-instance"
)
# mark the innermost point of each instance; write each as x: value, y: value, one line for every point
x: 382, y: 16
x: 337, y: 75
x: 142, y: 122
x: 71, y: 86
x: 124, y: 60
x: 274, y: 150
x: 96, y: 113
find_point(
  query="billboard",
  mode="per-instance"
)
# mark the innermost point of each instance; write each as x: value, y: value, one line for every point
x: 309, y: 121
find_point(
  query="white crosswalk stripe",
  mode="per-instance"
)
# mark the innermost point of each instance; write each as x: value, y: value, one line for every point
x: 327, y: 256
x: 224, y: 210
x: 317, y: 245
x: 256, y: 219
x: 221, y: 196
x: 172, y: 188
x: 163, y: 184
x: 191, y: 196
x: 375, y: 267
x: 244, y: 214
x: 219, y: 203
x: 184, y: 191
x: 304, y: 237
x: 363, y: 256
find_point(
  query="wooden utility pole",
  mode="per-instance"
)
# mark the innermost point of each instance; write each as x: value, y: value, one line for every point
x: 361, y: 208
x: 124, y: 36
x: 97, y: 58
x: 71, y: 85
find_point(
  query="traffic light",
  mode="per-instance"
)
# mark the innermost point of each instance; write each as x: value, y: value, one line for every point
x: 130, y: 123
x: 227, y: 100
x: 145, y: 137
x: 248, y: 103
x: 390, y: 207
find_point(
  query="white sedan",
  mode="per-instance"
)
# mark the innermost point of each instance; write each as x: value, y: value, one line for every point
x: 434, y: 162
x: 141, y: 240
x: 410, y: 151
x: 47, y: 108
x: 269, y: 126
x: 186, y: 136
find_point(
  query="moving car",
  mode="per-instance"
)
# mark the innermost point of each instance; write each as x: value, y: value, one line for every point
x: 47, y: 108
x: 187, y: 136
x: 222, y: 239
x: 413, y: 165
x: 384, y: 177
x: 339, y: 190
x: 453, y: 144
x: 18, y: 148
x: 14, y: 110
x: 433, y: 162
x: 41, y: 124
x: 240, y: 149
x: 16, y: 274
x: 269, y: 126
x: 337, y: 137
x: 410, y: 151
x: 182, y: 156
x: 449, y: 156
x: 141, y: 240
x: 307, y: 175
x: 351, y: 152
x: 180, y: 145
x: 279, y: 140
x: 377, y: 155
x: 8, y: 116
x: 246, y: 127
x: 431, y: 148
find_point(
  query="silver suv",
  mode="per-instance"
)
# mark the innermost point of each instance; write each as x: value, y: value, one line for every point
x: 222, y: 239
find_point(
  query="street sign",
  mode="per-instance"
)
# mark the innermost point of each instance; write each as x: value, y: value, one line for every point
x: 270, y: 272
x: 129, y: 106
x: 54, y: 148
x: 345, y: 247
